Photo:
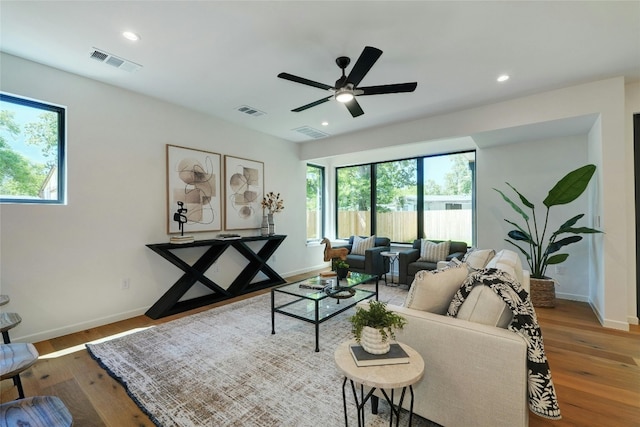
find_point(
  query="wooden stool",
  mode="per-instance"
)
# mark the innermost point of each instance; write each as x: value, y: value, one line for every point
x: 15, y: 358
x: 8, y: 321
x: 37, y: 411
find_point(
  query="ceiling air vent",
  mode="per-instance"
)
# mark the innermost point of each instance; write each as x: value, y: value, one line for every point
x: 114, y: 61
x: 311, y: 132
x: 250, y: 111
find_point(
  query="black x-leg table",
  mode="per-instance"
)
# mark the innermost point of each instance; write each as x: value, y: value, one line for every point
x: 169, y: 302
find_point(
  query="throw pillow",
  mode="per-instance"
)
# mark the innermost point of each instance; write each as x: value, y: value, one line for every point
x: 433, y: 290
x: 508, y: 261
x: 478, y: 258
x: 360, y: 245
x: 486, y: 307
x: 434, y: 252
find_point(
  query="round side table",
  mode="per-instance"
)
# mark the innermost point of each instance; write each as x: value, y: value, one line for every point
x: 386, y: 378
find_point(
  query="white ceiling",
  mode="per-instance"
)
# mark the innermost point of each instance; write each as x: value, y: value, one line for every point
x: 214, y: 56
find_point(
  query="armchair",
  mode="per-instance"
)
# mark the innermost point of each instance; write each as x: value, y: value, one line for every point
x: 372, y: 262
x: 408, y: 264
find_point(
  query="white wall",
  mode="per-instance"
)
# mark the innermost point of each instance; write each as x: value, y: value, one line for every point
x: 63, y: 265
x: 632, y: 106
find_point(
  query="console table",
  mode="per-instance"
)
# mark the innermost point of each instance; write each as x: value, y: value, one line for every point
x: 169, y: 302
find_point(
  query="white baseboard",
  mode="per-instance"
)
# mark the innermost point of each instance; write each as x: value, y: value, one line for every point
x: 77, y: 327
x: 633, y: 320
x: 572, y: 297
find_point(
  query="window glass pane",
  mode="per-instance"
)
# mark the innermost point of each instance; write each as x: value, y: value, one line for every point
x: 353, y: 194
x: 396, y: 200
x: 315, y: 202
x: 448, y: 187
x: 31, y: 151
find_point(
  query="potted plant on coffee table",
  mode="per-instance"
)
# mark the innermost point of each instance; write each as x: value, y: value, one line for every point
x: 341, y: 267
x: 374, y: 327
x: 539, y: 250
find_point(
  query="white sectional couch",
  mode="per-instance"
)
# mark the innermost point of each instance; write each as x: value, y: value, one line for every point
x: 475, y: 372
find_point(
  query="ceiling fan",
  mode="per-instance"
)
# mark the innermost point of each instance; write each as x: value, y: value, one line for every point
x: 346, y: 87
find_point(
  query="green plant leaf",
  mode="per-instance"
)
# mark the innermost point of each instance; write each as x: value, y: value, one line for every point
x: 522, y: 198
x: 519, y: 235
x: 580, y: 230
x: 555, y: 246
x: 557, y: 259
x: 513, y: 205
x: 571, y: 222
x: 570, y: 187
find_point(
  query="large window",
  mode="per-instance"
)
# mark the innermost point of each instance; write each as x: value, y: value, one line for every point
x: 396, y: 208
x: 353, y: 194
x: 32, y: 143
x: 407, y: 199
x: 315, y: 203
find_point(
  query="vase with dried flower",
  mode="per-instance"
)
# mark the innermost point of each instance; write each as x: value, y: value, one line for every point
x: 271, y: 203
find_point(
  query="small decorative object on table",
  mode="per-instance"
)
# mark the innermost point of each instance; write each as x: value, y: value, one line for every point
x: 272, y: 203
x: 181, y: 219
x: 373, y: 328
x: 341, y: 268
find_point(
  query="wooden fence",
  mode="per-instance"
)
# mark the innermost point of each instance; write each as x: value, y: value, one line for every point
x: 401, y: 226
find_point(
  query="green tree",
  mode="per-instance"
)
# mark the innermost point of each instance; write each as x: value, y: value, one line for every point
x: 354, y: 188
x: 44, y: 134
x: 392, y: 181
x: 18, y: 176
x: 458, y: 179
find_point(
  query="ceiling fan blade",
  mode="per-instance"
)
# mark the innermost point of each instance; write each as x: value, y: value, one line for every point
x: 367, y: 58
x: 313, y: 104
x: 304, y: 81
x: 354, y: 108
x: 392, y: 88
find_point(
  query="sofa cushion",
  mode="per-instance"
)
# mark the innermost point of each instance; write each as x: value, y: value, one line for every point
x: 478, y: 258
x: 433, y: 290
x: 360, y: 245
x: 434, y: 252
x: 508, y: 261
x: 486, y: 307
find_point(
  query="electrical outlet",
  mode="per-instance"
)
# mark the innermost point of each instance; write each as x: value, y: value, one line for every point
x: 125, y: 284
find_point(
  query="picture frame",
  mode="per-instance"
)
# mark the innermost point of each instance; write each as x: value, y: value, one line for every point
x: 244, y: 190
x: 194, y: 179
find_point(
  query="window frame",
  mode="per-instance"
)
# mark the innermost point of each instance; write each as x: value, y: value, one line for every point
x: 61, y: 150
x: 321, y: 209
x: 419, y: 189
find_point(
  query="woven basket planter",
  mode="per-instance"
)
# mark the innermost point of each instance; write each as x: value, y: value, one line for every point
x: 543, y: 292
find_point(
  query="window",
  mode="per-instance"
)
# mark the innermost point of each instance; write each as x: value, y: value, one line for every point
x: 32, y: 142
x: 396, y: 208
x: 353, y: 195
x: 448, y: 190
x: 315, y: 203
x: 428, y: 197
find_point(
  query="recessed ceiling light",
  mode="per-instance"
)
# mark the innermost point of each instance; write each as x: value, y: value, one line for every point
x: 130, y: 35
x: 503, y: 78
x: 325, y: 123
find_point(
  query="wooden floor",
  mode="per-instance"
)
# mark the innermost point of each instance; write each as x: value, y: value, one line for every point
x: 595, y: 370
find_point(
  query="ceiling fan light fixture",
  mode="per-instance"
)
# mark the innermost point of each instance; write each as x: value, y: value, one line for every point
x: 344, y: 95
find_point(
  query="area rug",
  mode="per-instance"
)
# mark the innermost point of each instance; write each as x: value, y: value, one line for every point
x: 223, y: 367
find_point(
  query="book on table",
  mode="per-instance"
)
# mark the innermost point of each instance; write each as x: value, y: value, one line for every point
x: 396, y: 355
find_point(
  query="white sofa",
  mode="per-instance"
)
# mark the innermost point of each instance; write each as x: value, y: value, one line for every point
x: 475, y: 374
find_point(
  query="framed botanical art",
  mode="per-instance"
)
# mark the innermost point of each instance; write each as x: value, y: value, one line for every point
x: 193, y: 179
x: 244, y: 188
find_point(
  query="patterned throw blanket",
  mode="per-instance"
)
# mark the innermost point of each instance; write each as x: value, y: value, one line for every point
x: 542, y: 394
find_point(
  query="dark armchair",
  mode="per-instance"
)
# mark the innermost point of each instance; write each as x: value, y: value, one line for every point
x: 371, y: 262
x: 408, y: 264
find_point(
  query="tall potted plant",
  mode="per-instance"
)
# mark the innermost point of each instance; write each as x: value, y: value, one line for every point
x: 539, y: 250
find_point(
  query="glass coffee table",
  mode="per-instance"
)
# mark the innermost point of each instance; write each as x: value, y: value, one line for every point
x: 314, y: 301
